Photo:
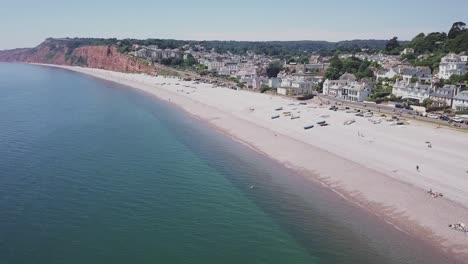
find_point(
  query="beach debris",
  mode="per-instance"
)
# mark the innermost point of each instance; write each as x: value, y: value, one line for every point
x: 349, y: 122
x: 275, y: 117
x: 251, y: 109
x: 435, y: 194
x: 325, y: 116
x: 459, y: 227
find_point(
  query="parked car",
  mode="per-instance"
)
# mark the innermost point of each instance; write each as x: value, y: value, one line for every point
x: 444, y: 117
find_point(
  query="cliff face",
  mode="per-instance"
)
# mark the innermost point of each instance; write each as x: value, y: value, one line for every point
x: 66, y: 53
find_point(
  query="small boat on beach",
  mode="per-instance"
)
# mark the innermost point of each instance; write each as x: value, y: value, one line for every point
x: 349, y: 122
x: 275, y: 117
x: 295, y: 117
x: 279, y: 109
x: 308, y: 127
x: 321, y: 122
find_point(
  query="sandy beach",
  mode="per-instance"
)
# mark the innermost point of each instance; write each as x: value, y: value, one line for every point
x: 372, y: 165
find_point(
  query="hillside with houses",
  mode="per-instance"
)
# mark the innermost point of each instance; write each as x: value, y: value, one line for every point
x: 429, y: 71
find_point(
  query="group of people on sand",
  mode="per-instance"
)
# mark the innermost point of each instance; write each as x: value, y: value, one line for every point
x: 459, y: 227
x: 435, y: 194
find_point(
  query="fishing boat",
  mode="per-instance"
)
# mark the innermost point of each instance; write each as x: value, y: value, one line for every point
x: 308, y: 127
x: 275, y: 117
x: 321, y: 122
x: 279, y: 109
x: 295, y: 117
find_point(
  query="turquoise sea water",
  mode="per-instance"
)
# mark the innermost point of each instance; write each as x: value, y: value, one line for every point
x: 94, y: 172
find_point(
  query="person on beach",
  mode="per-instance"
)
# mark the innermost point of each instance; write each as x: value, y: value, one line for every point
x: 417, y: 167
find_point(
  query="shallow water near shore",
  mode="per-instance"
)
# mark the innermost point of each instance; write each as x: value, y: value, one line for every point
x: 94, y: 172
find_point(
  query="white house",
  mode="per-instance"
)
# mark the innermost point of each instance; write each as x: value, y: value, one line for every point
x: 463, y: 57
x: 390, y: 73
x: 348, y: 88
x: 415, y: 91
x: 258, y: 81
x: 423, y: 74
x: 451, y: 64
x: 407, y: 51
x: 293, y: 87
x: 460, y: 101
x: 274, y: 82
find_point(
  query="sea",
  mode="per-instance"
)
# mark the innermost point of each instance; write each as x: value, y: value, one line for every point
x: 92, y: 171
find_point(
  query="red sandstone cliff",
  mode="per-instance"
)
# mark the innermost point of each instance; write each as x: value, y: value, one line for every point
x: 64, y: 53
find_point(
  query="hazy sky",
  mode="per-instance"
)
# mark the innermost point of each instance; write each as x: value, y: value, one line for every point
x: 25, y: 23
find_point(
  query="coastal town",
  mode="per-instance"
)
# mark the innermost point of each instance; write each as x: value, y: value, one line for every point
x: 378, y: 78
x: 234, y: 132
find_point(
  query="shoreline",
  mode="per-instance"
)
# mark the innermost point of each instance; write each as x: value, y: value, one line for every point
x: 402, y: 204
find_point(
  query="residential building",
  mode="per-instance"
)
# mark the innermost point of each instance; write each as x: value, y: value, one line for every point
x: 415, y: 91
x: 444, y: 96
x: 407, y: 51
x: 274, y: 82
x: 390, y: 73
x: 451, y: 64
x: 316, y: 59
x: 257, y: 82
x: 460, y: 101
x: 348, y: 88
x: 422, y: 74
x: 296, y: 87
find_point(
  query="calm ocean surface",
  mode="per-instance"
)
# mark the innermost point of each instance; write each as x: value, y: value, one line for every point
x: 94, y: 172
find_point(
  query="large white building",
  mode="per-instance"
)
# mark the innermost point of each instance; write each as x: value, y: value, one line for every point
x: 293, y: 87
x: 416, y: 91
x: 348, y: 88
x: 452, y: 64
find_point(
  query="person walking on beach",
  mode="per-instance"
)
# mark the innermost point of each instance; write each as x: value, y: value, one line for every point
x: 417, y: 168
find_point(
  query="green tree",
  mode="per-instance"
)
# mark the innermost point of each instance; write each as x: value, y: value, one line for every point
x: 264, y: 88
x: 332, y: 73
x: 274, y: 68
x: 427, y: 103
x: 392, y: 44
x: 457, y: 28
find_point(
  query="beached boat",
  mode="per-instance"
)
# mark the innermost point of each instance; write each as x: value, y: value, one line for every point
x: 275, y: 117
x: 308, y: 127
x: 295, y: 117
x: 349, y: 122
x: 279, y: 109
x: 321, y: 122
